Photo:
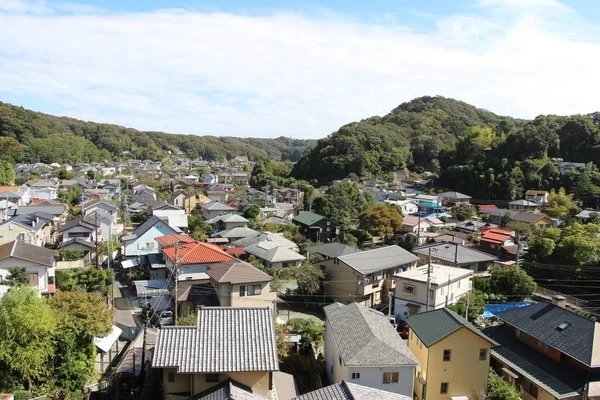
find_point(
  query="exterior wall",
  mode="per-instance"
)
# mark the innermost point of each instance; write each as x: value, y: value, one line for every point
x: 176, y: 218
x: 45, y: 274
x: 231, y: 225
x: 268, y: 264
x: 76, y: 231
x: 183, y: 382
x: 265, y: 299
x: 137, y: 247
x: 542, y: 394
x: 464, y: 373
x: 21, y: 233
x: 208, y: 214
x: 539, y: 346
x: 258, y: 381
x: 223, y: 291
x: 421, y: 352
x: 454, y: 292
x: 335, y: 369
x: 344, y: 281
x: 373, y: 377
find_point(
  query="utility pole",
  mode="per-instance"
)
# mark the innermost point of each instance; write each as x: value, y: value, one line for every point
x: 390, y: 294
x: 146, y: 312
x: 518, y: 250
x: 176, y: 272
x: 419, y: 230
x: 468, y: 301
x: 96, y: 233
x: 428, y: 281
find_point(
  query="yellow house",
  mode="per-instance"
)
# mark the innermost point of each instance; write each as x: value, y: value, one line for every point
x: 230, y: 352
x: 454, y: 356
x: 191, y: 202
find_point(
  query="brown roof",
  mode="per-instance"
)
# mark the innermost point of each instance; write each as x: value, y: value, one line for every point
x: 173, y: 239
x: 236, y: 272
x: 536, y: 192
x: 27, y: 252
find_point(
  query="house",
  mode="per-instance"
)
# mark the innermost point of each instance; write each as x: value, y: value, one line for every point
x: 218, y: 195
x: 20, y: 195
x: 178, y: 197
x: 524, y: 205
x: 6, y: 209
x: 564, y: 166
x: 194, y: 201
x: 497, y: 241
x: 228, y: 221
x: 214, y: 209
x: 66, y: 184
x: 193, y: 259
x: 235, y: 234
x: 272, y: 249
x: 362, y: 346
x: 414, y: 229
x: 473, y: 226
x: 350, y: 391
x: 26, y: 228
x: 240, y: 284
x: 365, y: 277
x: 97, y: 204
x: 540, y: 221
x: 456, y: 255
x: 46, y: 189
x: 38, y: 262
x: 210, y: 178
x: 448, y: 284
x: 549, y: 352
x: 331, y: 250
x: 172, y: 215
x: 407, y: 207
x: 454, y: 198
x: 315, y: 227
x: 586, y: 216
x: 537, y: 196
x: 57, y: 210
x: 453, y: 355
x: 231, y: 349
x: 143, y: 239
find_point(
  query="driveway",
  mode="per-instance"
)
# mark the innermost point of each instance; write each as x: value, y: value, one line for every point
x: 124, y: 309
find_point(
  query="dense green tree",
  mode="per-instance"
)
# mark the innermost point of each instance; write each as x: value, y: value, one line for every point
x: 512, y: 282
x: 500, y: 389
x: 343, y: 201
x: 559, y: 204
x: 26, y: 338
x: 17, y: 276
x: 308, y: 277
x: 464, y: 211
x: 7, y: 173
x: 476, y: 303
x: 381, y: 220
x: 311, y: 331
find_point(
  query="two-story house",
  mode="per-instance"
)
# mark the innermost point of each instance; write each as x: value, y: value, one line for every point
x: 143, y: 239
x: 447, y: 285
x: 240, y: 284
x: 331, y: 250
x: 26, y: 228
x: 500, y: 242
x: 453, y: 355
x: 38, y: 261
x: 227, y: 222
x: 215, y: 208
x: 272, y: 249
x: 361, y: 346
x: 232, y: 349
x: 454, y: 198
x: 315, y: 227
x: 455, y: 254
x: 547, y: 351
x: 365, y: 277
x: 523, y: 205
x: 537, y: 196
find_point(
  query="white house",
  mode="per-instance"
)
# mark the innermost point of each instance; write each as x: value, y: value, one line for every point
x: 448, y: 284
x: 210, y: 178
x: 215, y: 208
x: 143, y: 240
x: 362, y: 347
x: 37, y: 261
x: 407, y: 207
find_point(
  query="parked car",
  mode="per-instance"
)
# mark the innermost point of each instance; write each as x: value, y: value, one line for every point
x: 163, y: 318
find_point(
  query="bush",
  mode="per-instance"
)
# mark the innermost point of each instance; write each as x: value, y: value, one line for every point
x: 501, y: 389
x: 70, y: 255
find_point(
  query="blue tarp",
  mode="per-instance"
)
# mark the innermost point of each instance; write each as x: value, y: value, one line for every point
x: 491, y: 309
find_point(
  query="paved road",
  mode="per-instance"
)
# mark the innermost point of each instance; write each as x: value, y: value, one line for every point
x: 124, y: 309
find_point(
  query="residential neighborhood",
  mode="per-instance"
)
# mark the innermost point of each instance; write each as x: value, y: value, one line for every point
x: 210, y: 288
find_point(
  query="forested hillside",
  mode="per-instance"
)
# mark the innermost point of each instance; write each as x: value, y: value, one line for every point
x: 471, y: 150
x: 48, y: 139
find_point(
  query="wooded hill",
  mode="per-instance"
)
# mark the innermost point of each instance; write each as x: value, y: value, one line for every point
x: 469, y: 149
x: 48, y: 139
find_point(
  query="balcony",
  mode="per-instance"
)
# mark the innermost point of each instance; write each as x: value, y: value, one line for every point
x: 366, y: 288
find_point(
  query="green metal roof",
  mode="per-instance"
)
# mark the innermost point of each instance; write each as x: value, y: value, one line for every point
x: 308, y: 218
x: 432, y: 326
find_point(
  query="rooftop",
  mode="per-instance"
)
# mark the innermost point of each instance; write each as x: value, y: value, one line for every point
x: 375, y: 260
x: 441, y: 275
x: 308, y: 218
x: 235, y: 272
x: 28, y: 252
x: 224, y: 340
x: 454, y: 252
x: 173, y: 239
x: 350, y: 391
x: 332, y: 250
x: 365, y: 337
x: 433, y: 326
x: 196, y: 253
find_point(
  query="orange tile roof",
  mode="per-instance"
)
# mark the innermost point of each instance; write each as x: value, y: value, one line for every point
x: 9, y: 189
x: 496, y: 236
x: 172, y: 239
x: 197, y: 253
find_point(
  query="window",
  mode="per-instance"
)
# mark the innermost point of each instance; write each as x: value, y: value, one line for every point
x: 408, y: 289
x: 340, y: 359
x: 356, y: 375
x: 33, y: 279
x: 253, y: 290
x: 328, y: 223
x: 459, y: 282
x: 444, y: 388
x: 212, y: 377
x: 545, y: 348
x: 390, y: 377
x: 482, y: 354
x: 442, y: 291
x: 171, y: 377
x: 540, y: 344
x: 242, y: 290
x: 447, y: 354
x: 530, y: 388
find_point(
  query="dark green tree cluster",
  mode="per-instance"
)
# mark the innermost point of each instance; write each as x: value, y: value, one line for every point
x: 576, y: 244
x: 46, y: 138
x: 342, y: 202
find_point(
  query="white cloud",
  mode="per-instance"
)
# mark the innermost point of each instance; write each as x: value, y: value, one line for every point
x: 284, y: 73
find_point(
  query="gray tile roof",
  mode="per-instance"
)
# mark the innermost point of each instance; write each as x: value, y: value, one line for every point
x: 350, y: 391
x: 54, y: 209
x: 227, y: 390
x: 333, y: 250
x: 224, y: 340
x: 145, y: 227
x: 447, y: 252
x: 375, y: 260
x: 365, y: 337
x: 28, y: 221
x: 433, y: 326
x: 580, y: 339
x: 217, y: 206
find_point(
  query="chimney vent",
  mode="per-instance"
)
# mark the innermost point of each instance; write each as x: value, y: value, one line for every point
x: 560, y: 301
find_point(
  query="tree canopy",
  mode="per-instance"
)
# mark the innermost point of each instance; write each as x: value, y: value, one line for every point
x: 381, y: 220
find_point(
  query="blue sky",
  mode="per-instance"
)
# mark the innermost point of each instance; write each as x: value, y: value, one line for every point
x: 268, y: 68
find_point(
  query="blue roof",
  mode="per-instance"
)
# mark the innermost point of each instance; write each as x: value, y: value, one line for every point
x: 430, y: 204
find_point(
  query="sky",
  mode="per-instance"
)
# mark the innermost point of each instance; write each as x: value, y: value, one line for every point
x: 300, y: 69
